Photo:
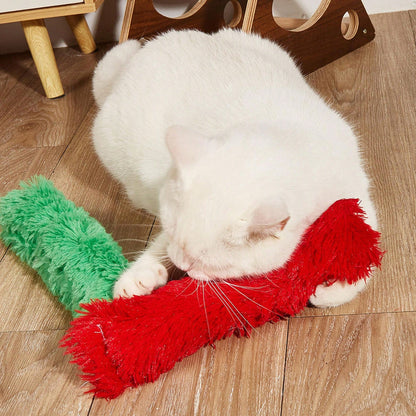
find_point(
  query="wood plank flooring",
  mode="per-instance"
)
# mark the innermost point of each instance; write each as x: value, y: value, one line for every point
x: 358, y: 359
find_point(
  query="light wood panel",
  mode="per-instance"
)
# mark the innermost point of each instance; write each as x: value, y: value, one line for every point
x: 143, y: 20
x: 132, y: 238
x: 32, y: 120
x: 320, y: 40
x: 35, y: 379
x: 351, y: 365
x: 91, y: 186
x: 374, y: 89
x: 238, y: 377
x: 27, y: 305
x: 36, y: 130
x: 45, y: 12
x: 12, y: 68
x: 327, y: 355
x: 20, y: 164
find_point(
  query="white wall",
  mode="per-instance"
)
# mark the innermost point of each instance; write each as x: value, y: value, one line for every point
x: 305, y: 8
x: 8, y: 6
x: 106, y: 23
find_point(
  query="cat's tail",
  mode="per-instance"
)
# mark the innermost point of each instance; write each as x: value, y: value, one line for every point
x: 110, y: 67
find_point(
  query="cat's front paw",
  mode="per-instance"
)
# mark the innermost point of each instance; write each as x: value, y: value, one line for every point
x: 336, y: 294
x: 140, y: 279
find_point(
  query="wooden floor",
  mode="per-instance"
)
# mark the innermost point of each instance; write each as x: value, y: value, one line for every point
x: 359, y: 359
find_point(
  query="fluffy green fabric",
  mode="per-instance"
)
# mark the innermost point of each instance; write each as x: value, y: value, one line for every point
x: 70, y: 250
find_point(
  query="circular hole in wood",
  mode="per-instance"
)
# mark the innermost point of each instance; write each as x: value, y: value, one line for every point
x: 174, y: 9
x: 298, y: 15
x: 232, y: 13
x: 349, y: 24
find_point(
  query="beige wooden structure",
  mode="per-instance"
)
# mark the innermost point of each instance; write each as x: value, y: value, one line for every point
x: 39, y: 42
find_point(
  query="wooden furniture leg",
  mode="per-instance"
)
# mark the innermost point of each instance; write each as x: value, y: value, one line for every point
x: 41, y: 49
x: 82, y: 33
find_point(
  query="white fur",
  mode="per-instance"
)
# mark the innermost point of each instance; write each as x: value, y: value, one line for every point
x: 221, y: 137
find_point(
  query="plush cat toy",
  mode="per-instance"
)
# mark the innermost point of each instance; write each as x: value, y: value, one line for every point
x: 124, y: 343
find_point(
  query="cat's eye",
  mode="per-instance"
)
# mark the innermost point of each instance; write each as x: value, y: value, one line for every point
x: 235, y: 239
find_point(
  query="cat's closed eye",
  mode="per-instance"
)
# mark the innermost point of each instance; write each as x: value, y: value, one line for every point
x: 236, y: 236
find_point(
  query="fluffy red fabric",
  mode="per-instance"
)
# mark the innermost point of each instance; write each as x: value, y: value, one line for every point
x: 128, y: 342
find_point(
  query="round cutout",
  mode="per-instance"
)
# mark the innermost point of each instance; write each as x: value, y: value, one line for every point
x: 232, y: 13
x: 349, y: 24
x: 298, y: 15
x: 174, y: 9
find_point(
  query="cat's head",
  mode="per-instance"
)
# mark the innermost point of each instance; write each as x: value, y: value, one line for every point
x: 223, y: 220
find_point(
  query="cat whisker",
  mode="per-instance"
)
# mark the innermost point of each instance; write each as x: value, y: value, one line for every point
x: 271, y: 282
x: 197, y: 287
x: 195, y: 260
x: 245, y: 287
x: 131, y: 253
x: 205, y: 310
x: 164, y: 257
x: 186, y: 288
x: 236, y: 312
x: 136, y: 240
x: 229, y: 309
x: 166, y: 260
x: 251, y: 300
x: 235, y: 308
x: 254, y: 329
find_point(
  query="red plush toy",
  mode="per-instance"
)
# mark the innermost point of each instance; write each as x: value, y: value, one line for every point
x: 125, y: 343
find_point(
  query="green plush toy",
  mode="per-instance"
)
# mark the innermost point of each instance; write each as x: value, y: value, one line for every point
x: 76, y: 258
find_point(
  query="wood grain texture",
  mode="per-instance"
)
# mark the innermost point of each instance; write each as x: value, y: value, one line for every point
x: 351, y: 365
x: 142, y: 19
x: 91, y: 186
x: 27, y: 305
x: 238, y: 377
x: 87, y: 6
x: 320, y: 40
x: 35, y: 379
x: 35, y: 130
x: 359, y: 361
x: 374, y: 88
x: 31, y: 120
x: 20, y: 164
x: 12, y: 68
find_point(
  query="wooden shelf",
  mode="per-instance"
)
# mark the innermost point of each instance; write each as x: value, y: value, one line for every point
x: 87, y: 6
x: 37, y: 37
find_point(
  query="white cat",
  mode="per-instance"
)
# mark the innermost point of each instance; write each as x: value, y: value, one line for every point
x: 221, y: 137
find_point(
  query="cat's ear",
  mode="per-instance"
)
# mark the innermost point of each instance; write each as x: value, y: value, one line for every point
x: 185, y: 145
x: 268, y: 219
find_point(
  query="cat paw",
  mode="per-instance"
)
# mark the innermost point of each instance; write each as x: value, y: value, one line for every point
x: 336, y: 294
x: 140, y: 279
